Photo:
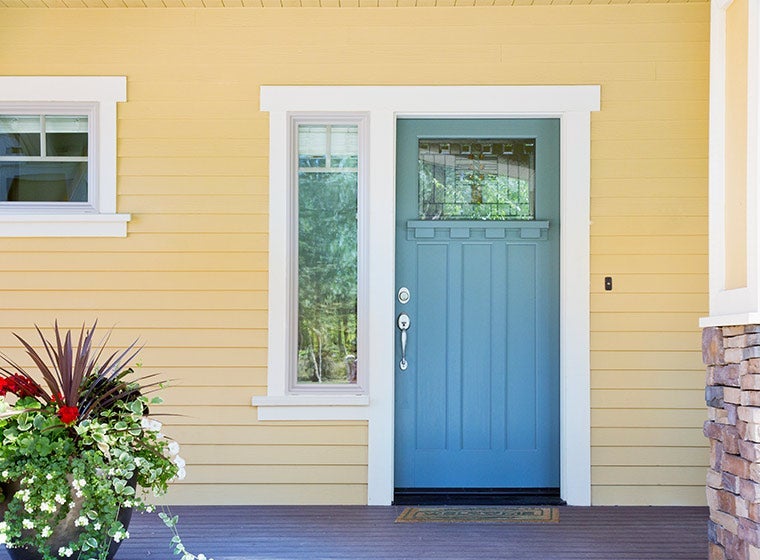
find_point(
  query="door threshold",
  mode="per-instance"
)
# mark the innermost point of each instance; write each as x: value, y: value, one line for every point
x: 477, y: 497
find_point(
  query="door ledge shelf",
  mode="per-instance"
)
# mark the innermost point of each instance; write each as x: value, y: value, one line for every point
x: 463, y: 229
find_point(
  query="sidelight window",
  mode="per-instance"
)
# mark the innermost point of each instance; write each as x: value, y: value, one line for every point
x: 328, y: 195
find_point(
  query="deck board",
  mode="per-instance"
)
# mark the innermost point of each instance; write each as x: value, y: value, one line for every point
x: 357, y: 533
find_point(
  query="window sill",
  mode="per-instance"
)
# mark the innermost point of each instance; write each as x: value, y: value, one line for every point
x: 64, y: 225
x: 312, y: 407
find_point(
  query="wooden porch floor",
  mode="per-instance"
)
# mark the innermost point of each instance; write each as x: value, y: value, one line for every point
x: 356, y: 533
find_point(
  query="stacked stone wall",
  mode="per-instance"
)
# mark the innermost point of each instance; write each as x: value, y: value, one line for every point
x: 732, y: 356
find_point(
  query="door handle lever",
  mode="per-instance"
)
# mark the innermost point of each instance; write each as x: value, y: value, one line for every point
x: 403, y: 323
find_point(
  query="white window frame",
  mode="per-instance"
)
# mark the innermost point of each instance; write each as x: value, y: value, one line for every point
x: 290, y: 333
x: 97, y: 98
x: 384, y: 105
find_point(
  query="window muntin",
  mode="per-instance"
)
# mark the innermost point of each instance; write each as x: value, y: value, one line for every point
x: 477, y: 179
x: 328, y: 194
x: 44, y: 158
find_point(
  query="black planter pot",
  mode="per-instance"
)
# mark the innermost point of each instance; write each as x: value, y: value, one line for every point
x: 63, y: 533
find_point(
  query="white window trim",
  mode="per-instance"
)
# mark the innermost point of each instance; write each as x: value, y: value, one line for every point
x: 384, y: 104
x: 97, y: 96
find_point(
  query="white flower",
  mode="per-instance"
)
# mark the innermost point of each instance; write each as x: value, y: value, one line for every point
x: 47, y: 507
x: 79, y: 483
x: 81, y: 521
x: 179, y: 461
x: 96, y: 525
x: 60, y: 499
x: 46, y: 532
x: 29, y: 507
x: 173, y: 448
x: 27, y: 524
x: 49, y: 476
x: 120, y: 536
x: 150, y: 424
x: 5, y: 474
x: 150, y: 509
x: 3, y: 538
x: 23, y: 495
x: 181, y: 474
x: 63, y: 551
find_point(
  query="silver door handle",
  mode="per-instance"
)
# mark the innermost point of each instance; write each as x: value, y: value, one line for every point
x: 403, y: 323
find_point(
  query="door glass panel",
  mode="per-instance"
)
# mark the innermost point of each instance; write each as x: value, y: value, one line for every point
x: 477, y: 179
x: 327, y: 253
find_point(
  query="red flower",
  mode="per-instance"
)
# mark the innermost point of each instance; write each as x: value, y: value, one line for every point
x: 19, y: 385
x: 22, y: 386
x: 68, y: 414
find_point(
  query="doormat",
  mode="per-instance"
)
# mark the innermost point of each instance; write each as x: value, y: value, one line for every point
x: 522, y: 514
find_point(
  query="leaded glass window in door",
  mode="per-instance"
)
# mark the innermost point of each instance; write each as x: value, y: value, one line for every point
x: 477, y: 179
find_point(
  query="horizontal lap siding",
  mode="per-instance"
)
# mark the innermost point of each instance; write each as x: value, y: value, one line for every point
x: 191, y: 277
x: 649, y: 232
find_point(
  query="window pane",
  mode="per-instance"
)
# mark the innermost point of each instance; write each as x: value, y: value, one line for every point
x: 477, y: 179
x: 344, y: 146
x: 312, y: 146
x: 66, y: 136
x: 66, y: 123
x: 19, y: 135
x: 327, y: 263
x: 71, y: 144
x: 43, y: 181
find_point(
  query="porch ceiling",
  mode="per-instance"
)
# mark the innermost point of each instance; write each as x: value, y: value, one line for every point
x: 311, y: 3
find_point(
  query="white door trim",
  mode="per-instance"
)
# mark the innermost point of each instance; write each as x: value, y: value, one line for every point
x: 384, y: 104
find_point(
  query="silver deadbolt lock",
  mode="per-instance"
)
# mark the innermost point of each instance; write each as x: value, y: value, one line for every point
x: 403, y: 295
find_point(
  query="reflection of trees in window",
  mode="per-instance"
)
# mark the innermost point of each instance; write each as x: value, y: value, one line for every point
x: 477, y: 180
x: 327, y: 269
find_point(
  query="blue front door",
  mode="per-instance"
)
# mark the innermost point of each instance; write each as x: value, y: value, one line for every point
x: 477, y: 250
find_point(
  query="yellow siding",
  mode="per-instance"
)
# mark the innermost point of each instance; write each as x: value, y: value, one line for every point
x: 191, y: 277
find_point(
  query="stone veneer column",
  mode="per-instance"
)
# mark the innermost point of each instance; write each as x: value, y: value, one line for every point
x: 732, y: 356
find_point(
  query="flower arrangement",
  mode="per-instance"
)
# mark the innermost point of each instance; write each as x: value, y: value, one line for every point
x: 80, y: 444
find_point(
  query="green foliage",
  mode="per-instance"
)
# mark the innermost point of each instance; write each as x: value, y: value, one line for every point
x: 89, y: 467
x: 327, y: 276
x: 83, y: 447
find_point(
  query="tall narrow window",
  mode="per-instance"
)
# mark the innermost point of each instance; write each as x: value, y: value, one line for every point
x: 328, y: 180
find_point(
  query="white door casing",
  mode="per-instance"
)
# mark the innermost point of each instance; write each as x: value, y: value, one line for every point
x: 383, y: 105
